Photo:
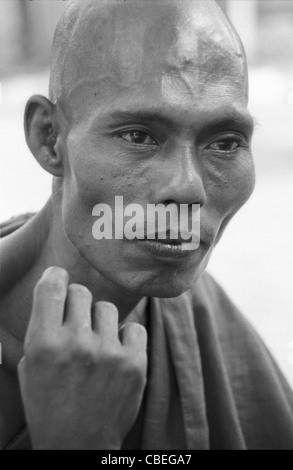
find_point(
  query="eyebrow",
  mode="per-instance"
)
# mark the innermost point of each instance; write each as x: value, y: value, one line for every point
x: 142, y: 115
x: 215, y: 119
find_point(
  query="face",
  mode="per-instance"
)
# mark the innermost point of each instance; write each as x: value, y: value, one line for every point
x: 164, y: 120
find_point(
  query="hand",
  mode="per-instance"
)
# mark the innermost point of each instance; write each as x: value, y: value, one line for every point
x: 81, y: 385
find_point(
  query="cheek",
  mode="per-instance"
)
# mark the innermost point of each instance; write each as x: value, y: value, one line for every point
x: 98, y: 172
x: 93, y: 177
x: 242, y: 182
x: 84, y: 187
x: 231, y: 186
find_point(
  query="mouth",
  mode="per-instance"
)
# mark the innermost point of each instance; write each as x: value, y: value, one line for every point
x: 168, y: 247
x: 168, y: 240
x: 167, y: 236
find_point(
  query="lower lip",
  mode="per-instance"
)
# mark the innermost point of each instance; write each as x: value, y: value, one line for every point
x: 164, y: 249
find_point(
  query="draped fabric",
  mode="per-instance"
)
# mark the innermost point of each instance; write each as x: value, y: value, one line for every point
x: 212, y: 383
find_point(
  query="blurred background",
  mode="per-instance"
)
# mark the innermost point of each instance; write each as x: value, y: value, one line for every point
x: 254, y: 260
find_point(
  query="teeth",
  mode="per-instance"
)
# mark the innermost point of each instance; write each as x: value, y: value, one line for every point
x: 168, y: 245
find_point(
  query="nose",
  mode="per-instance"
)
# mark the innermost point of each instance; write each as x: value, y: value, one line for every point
x: 181, y: 179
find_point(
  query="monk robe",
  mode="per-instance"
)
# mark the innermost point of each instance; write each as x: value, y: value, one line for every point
x: 212, y: 383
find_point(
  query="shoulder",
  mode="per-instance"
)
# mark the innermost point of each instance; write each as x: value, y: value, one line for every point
x: 13, y: 252
x: 235, y: 358
x: 17, y: 246
x: 14, y: 223
x: 214, y: 311
x: 244, y: 352
x: 209, y: 299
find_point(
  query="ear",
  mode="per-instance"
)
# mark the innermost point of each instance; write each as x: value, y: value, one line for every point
x: 41, y: 133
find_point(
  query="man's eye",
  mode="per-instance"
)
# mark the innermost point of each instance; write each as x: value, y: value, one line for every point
x: 138, y: 137
x: 225, y: 145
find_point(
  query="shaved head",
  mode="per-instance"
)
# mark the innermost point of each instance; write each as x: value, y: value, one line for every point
x: 101, y: 45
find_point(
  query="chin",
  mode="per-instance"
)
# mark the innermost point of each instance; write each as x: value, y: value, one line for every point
x: 166, y: 292
x: 169, y: 287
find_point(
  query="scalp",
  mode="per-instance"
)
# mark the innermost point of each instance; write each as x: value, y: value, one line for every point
x: 119, y: 41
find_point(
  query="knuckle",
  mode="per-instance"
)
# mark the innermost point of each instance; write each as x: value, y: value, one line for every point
x: 83, y: 356
x: 139, y: 366
x: 41, y: 351
x: 110, y: 354
x: 135, y: 369
x: 80, y: 348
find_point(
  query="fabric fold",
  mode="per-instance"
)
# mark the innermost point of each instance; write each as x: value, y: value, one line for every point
x: 175, y: 415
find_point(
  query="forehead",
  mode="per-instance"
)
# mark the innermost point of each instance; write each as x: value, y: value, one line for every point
x: 164, y: 54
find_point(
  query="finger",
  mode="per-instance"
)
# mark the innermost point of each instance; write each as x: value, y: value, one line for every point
x: 78, y: 307
x: 48, y: 302
x: 105, y: 320
x: 133, y: 335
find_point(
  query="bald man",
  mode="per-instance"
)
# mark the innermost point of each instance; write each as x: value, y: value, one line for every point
x: 129, y: 344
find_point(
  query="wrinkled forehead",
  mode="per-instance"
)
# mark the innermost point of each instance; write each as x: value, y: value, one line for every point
x: 147, y: 44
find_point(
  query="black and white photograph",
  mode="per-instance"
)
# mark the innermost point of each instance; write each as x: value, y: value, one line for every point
x: 146, y: 227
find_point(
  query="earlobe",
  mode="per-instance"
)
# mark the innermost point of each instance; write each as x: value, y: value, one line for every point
x: 41, y: 132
